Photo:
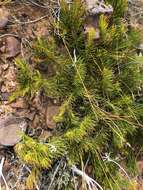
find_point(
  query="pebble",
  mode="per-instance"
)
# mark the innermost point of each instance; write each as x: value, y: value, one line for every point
x: 12, y: 45
x: 4, y: 96
x: 4, y: 16
x: 51, y: 111
x: 10, y: 129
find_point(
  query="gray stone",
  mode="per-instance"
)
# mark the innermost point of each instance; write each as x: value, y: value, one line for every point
x: 94, y: 7
x: 11, y: 128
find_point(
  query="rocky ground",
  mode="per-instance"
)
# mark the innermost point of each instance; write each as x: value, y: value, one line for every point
x: 21, y: 22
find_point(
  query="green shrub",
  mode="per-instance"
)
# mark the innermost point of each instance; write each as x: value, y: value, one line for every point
x: 99, y: 83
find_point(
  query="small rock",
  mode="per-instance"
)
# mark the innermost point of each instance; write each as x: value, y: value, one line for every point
x: 8, y: 86
x: 97, y: 7
x: 4, y: 14
x: 10, y: 73
x: 51, y: 111
x: 5, y: 66
x: 10, y: 129
x: 4, y: 96
x: 19, y: 103
x: 5, y: 109
x: 12, y: 47
x: 3, y: 89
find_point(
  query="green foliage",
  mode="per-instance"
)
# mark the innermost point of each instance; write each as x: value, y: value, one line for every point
x: 98, y: 82
x: 42, y: 154
x: 43, y: 53
x: 120, y: 6
x: 29, y: 81
x: 69, y: 29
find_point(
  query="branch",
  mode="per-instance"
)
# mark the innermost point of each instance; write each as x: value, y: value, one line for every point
x: 1, y: 174
x: 108, y: 159
x: 91, y: 183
